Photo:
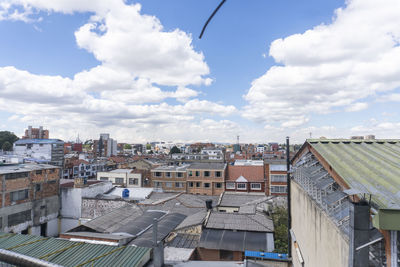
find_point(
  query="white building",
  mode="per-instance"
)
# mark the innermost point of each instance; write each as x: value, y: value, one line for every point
x: 213, y: 153
x: 50, y: 151
x: 122, y: 177
x: 260, y: 149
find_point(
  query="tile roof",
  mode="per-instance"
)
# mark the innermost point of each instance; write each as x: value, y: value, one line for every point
x: 251, y: 173
x: 184, y: 241
x: 371, y: 166
x: 257, y: 222
x: 25, y: 167
x: 193, y: 220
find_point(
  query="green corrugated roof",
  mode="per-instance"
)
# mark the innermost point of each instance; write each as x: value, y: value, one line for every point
x: 371, y: 166
x: 69, y: 253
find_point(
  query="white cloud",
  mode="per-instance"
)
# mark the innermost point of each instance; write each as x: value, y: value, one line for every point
x: 330, y: 67
x: 123, y: 93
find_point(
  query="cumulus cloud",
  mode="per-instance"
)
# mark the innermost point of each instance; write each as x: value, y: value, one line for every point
x: 330, y: 67
x: 124, y: 92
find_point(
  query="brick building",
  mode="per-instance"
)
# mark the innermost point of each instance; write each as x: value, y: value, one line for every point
x: 170, y: 178
x: 206, y: 178
x: 36, y: 133
x: 29, y: 199
x: 277, y: 179
x: 246, y: 176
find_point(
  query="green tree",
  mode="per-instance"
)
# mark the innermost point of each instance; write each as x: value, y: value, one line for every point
x: 6, y: 136
x: 175, y: 150
x: 127, y: 146
x: 7, y: 146
x: 280, y: 219
x: 148, y: 146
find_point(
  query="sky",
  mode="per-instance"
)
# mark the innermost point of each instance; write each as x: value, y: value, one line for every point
x: 263, y: 70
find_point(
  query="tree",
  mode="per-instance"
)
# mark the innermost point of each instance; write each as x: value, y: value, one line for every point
x: 127, y: 146
x: 175, y: 150
x: 148, y: 146
x: 6, y: 136
x: 7, y: 146
x: 280, y: 219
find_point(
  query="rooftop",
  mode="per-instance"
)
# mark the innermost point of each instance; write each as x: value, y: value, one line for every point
x: 171, y: 168
x: 367, y: 166
x: 38, y: 141
x: 245, y: 162
x: 277, y: 167
x: 208, y: 166
x: 121, y: 171
x: 229, y: 199
x: 256, y: 222
x: 69, y: 253
x: 26, y: 167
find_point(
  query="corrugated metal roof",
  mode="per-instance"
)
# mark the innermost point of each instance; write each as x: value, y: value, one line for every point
x: 38, y: 141
x: 371, y: 166
x: 69, y: 253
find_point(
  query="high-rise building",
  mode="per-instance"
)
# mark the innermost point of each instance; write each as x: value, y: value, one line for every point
x: 105, y: 146
x: 36, y: 133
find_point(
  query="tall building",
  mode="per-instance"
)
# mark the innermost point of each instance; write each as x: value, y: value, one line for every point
x: 30, y: 200
x: 105, y: 146
x: 50, y: 151
x: 36, y: 133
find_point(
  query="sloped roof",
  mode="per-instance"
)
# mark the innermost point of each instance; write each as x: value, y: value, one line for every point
x: 230, y: 199
x: 242, y: 222
x: 253, y: 173
x: 371, y: 166
x: 241, y: 179
x: 69, y: 253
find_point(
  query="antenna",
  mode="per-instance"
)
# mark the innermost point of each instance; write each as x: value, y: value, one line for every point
x: 237, y: 138
x: 209, y: 19
x: 310, y: 134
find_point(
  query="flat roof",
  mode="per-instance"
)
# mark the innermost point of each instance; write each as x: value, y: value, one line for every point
x: 24, y: 167
x: 171, y: 168
x: 38, y: 141
x: 207, y: 166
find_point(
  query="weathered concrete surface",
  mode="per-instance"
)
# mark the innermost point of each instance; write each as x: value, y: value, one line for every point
x: 319, y: 239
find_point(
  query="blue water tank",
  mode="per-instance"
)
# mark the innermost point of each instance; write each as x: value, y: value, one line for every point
x: 125, y: 193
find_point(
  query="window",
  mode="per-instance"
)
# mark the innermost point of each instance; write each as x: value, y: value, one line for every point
x: 241, y: 186
x: 103, y: 178
x: 206, y: 173
x: 198, y: 184
x: 190, y: 184
x: 157, y: 174
x: 167, y: 174
x: 19, y: 217
x: 255, y: 186
x: 16, y: 175
x: 226, y: 255
x: 217, y: 174
x: 207, y: 185
x: 197, y: 173
x: 179, y: 174
x: 52, y: 170
x: 133, y: 181
x: 38, y: 187
x: 278, y: 189
x: 19, y: 195
x: 278, y: 178
x: 230, y: 185
x: 168, y: 184
x: 157, y: 184
x: 218, y: 185
x: 119, y: 180
x: 179, y: 185
x: 190, y: 173
x: 38, y: 172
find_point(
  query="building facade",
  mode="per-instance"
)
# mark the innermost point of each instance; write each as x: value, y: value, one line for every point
x: 36, y: 133
x: 170, y: 178
x: 50, y: 151
x: 246, y: 176
x: 121, y: 177
x: 206, y: 178
x: 29, y: 199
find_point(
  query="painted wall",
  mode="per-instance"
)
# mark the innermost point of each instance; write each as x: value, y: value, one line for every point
x: 320, y: 241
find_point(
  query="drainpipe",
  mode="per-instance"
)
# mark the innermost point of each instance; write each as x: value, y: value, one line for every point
x: 21, y: 260
x: 288, y: 198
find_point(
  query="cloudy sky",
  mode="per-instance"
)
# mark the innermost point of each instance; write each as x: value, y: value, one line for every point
x: 263, y: 69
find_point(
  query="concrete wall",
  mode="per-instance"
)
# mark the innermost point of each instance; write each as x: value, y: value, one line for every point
x: 92, y: 208
x: 71, y: 198
x: 320, y: 241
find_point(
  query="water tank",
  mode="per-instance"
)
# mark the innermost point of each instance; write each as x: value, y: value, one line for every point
x: 125, y: 193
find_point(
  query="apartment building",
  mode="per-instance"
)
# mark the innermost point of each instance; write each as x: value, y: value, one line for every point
x: 246, y: 176
x: 36, y: 133
x: 170, y: 178
x: 277, y: 179
x: 29, y: 199
x: 121, y: 177
x: 206, y: 178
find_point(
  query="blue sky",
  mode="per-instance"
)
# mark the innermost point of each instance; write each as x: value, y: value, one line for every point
x: 263, y: 69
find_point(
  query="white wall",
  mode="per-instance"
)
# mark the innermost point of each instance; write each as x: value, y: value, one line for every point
x: 37, y: 151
